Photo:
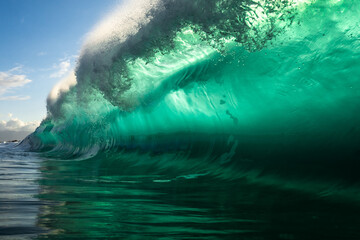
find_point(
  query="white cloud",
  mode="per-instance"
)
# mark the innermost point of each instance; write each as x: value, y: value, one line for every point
x: 16, y: 129
x: 16, y: 69
x: 42, y: 53
x: 17, y: 125
x: 62, y: 68
x: 14, y: 98
x: 10, y: 80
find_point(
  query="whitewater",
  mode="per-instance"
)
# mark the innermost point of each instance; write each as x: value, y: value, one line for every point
x: 221, y: 119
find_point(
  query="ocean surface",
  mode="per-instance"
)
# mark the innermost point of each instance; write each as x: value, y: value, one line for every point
x: 221, y: 119
x: 99, y: 199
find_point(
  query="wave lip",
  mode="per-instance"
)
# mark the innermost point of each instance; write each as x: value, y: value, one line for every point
x: 166, y: 34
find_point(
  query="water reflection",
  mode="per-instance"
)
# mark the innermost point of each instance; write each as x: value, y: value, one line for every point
x: 89, y: 200
x: 18, y: 206
x: 102, y: 199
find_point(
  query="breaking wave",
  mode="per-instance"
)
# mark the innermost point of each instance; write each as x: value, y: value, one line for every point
x: 221, y: 87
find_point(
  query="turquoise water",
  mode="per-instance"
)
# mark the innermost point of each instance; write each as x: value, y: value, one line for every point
x: 104, y: 198
x: 206, y: 119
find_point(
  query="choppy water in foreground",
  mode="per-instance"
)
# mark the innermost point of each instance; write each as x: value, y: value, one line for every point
x: 52, y: 199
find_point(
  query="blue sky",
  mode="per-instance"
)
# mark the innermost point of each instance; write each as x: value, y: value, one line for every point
x: 39, y: 42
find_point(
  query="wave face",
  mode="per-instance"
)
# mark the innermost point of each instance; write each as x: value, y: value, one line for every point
x: 222, y: 87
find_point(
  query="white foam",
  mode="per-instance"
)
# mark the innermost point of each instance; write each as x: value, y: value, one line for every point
x: 108, y: 36
x: 61, y: 87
